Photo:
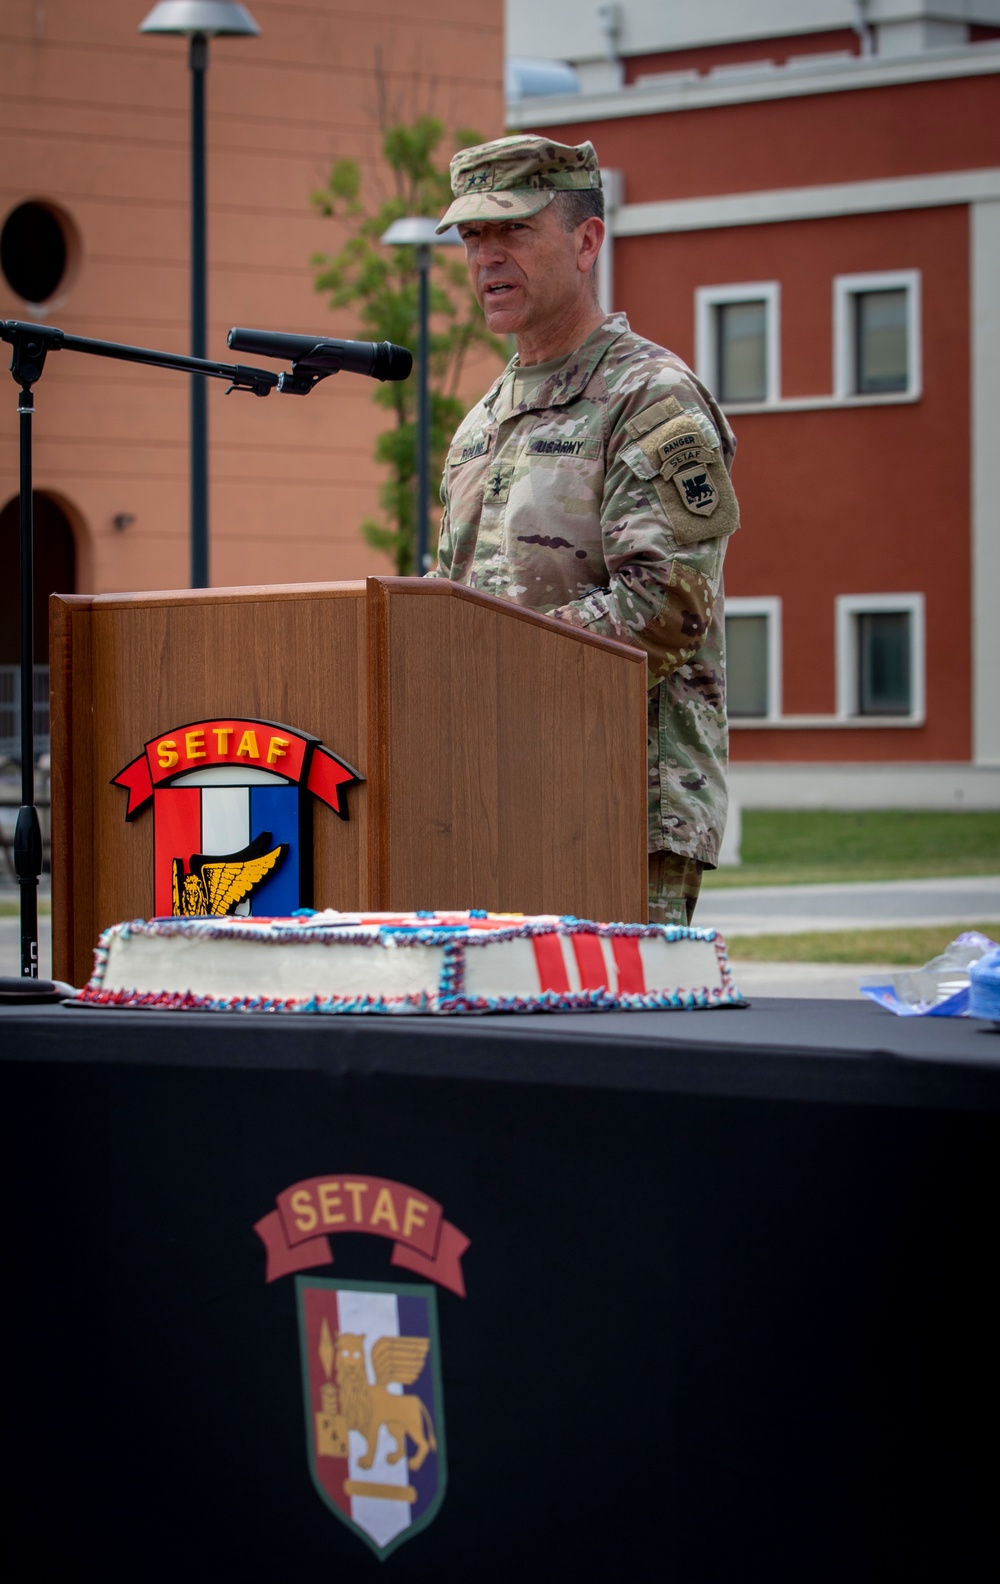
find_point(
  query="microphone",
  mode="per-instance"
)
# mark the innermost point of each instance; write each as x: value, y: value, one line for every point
x: 315, y: 358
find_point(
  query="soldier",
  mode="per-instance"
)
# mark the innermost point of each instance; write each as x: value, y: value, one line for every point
x: 592, y: 481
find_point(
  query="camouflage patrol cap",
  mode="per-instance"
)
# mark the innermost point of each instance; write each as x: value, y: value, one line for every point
x: 513, y: 177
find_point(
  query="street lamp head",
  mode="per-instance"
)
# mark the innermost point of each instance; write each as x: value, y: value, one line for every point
x: 419, y: 231
x: 207, y: 18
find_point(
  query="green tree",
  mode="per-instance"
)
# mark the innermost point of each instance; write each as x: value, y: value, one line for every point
x: 382, y: 285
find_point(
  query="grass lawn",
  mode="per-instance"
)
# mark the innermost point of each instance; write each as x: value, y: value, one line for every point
x: 903, y: 948
x: 810, y: 846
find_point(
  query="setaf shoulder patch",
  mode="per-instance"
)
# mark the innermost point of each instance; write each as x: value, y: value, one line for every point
x: 686, y: 472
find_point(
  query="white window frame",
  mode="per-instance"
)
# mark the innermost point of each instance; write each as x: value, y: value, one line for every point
x: 848, y: 606
x: 769, y: 606
x: 845, y: 289
x: 706, y: 300
x: 613, y: 186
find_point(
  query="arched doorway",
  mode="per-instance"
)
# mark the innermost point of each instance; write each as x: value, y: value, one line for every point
x: 55, y: 573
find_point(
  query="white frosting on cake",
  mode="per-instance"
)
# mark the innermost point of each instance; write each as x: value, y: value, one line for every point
x: 290, y: 969
x: 682, y: 963
x: 503, y: 968
x: 444, y: 963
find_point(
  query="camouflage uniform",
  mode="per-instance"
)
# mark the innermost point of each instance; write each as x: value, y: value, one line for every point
x: 604, y: 499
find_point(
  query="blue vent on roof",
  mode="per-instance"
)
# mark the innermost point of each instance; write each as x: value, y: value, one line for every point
x: 525, y: 78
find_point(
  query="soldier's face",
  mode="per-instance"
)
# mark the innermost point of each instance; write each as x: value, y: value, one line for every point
x: 529, y: 273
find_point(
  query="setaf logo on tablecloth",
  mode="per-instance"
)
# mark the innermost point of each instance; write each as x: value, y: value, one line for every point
x: 371, y: 1360
x: 371, y: 1368
x: 232, y: 814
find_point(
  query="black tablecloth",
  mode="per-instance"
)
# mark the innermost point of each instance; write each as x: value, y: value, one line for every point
x: 729, y: 1312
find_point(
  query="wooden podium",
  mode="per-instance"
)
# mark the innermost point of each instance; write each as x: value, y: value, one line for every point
x: 503, y: 752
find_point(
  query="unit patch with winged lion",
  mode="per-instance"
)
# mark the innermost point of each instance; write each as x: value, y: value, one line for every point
x: 217, y: 884
x: 232, y: 801
x: 371, y: 1368
x: 396, y: 1361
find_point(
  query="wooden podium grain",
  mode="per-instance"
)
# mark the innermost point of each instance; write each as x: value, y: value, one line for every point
x: 504, y: 752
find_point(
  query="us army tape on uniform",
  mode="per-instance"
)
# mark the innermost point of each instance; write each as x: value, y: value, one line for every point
x: 591, y: 482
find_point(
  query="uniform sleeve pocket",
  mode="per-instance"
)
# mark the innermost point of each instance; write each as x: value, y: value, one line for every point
x: 635, y: 457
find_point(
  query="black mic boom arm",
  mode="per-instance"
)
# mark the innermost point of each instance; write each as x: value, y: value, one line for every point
x: 31, y: 343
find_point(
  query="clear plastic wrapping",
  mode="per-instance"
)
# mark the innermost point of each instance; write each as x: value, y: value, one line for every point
x: 939, y: 989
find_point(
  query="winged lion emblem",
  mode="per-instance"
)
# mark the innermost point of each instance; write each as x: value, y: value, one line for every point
x: 218, y: 882
x: 366, y: 1408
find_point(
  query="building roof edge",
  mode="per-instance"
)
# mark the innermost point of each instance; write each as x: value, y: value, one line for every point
x: 776, y: 82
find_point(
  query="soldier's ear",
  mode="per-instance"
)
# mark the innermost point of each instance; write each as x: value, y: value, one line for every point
x: 590, y: 239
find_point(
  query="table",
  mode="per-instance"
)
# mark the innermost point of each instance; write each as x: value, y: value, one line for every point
x: 729, y: 1306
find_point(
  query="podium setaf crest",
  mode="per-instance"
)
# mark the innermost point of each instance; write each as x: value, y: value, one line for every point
x: 371, y: 1370
x: 232, y: 814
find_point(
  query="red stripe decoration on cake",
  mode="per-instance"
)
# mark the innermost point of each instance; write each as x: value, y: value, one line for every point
x: 628, y: 961
x: 590, y: 961
x: 551, y: 964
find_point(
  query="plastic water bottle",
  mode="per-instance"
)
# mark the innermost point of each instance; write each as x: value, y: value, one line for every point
x: 944, y: 976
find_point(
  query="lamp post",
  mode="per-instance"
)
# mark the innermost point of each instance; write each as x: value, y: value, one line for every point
x: 198, y: 21
x: 419, y: 232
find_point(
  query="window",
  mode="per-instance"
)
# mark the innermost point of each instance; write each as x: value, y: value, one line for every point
x: 881, y: 344
x: 753, y: 658
x: 877, y: 334
x: 880, y: 655
x: 741, y: 351
x: 736, y: 332
x: 37, y: 247
x: 884, y: 654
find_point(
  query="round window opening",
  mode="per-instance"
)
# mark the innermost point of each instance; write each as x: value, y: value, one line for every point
x: 36, y: 246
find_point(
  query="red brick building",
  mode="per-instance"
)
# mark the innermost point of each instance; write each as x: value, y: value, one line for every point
x: 808, y: 211
x: 94, y: 238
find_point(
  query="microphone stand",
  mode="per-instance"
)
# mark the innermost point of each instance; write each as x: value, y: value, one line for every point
x: 31, y: 344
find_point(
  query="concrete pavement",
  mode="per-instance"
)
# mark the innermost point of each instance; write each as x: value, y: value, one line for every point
x: 791, y: 910
x: 820, y: 981
x: 892, y: 904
